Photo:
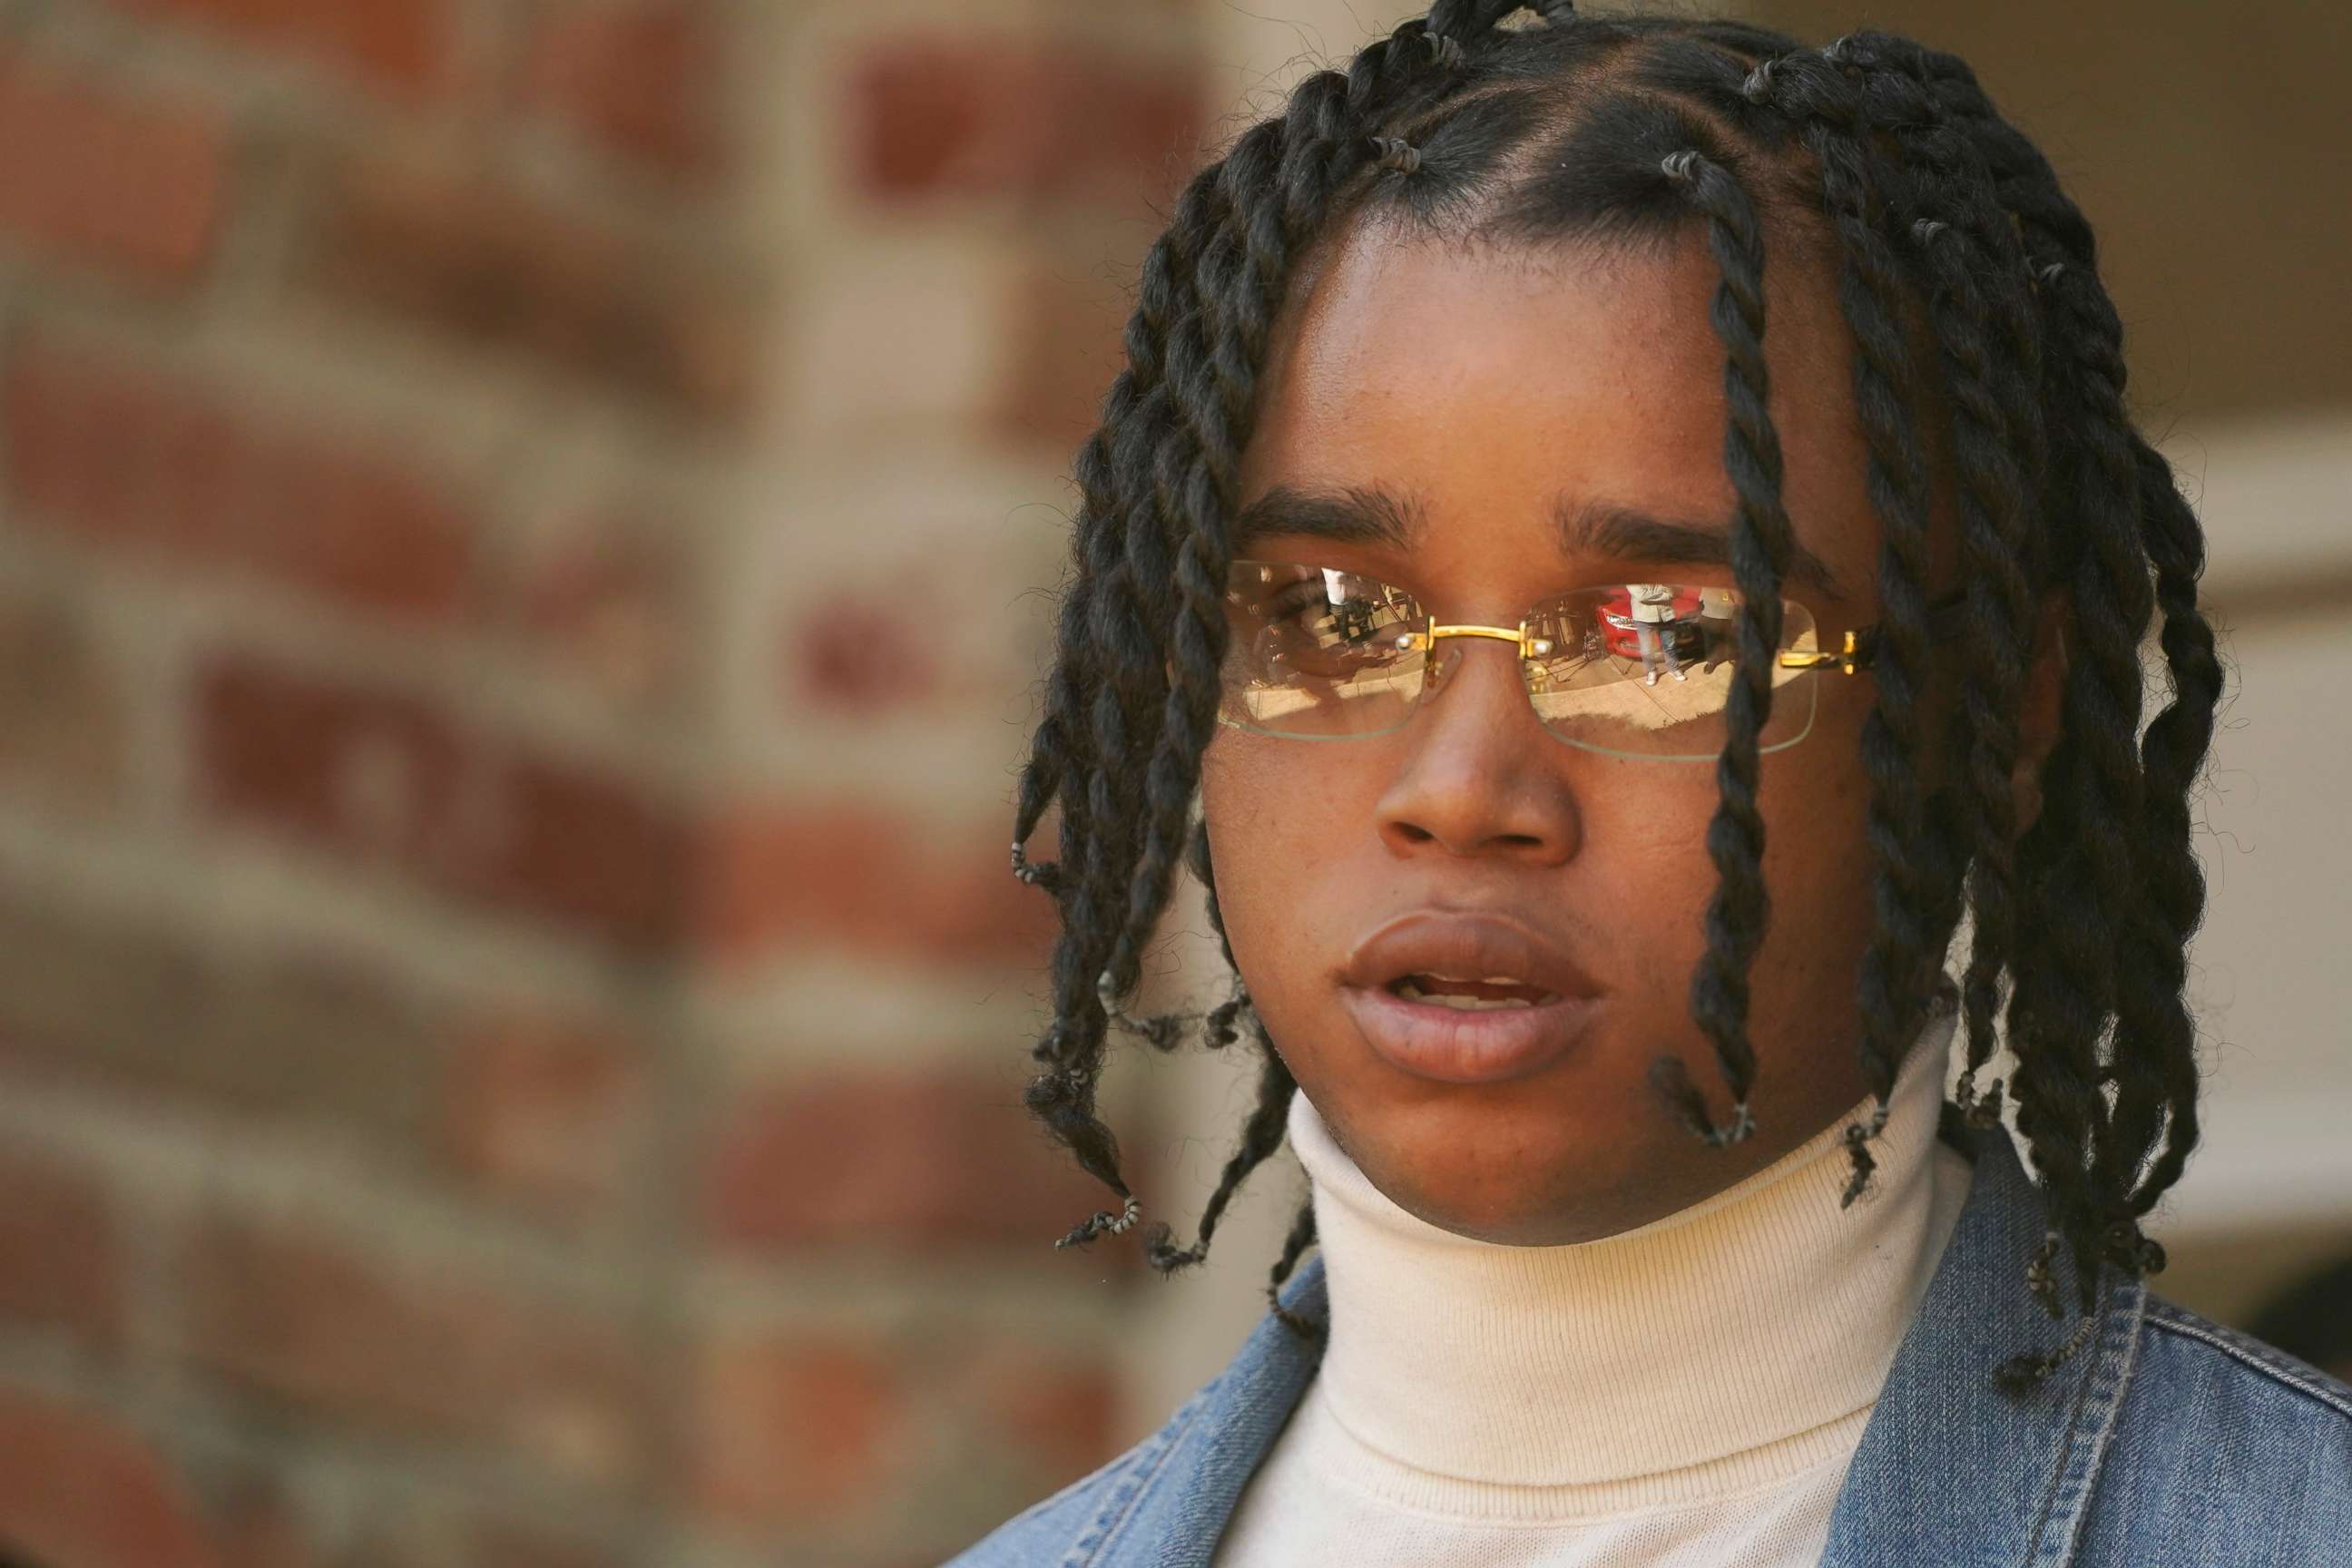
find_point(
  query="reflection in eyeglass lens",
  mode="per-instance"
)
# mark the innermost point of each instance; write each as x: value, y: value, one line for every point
x: 1640, y: 670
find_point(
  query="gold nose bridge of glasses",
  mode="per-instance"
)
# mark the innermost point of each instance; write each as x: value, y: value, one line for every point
x: 1528, y: 644
x: 1849, y: 658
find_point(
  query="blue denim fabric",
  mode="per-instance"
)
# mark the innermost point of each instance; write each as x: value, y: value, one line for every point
x: 2165, y: 1442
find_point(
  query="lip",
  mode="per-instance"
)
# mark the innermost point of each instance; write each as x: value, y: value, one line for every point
x: 1448, y: 1044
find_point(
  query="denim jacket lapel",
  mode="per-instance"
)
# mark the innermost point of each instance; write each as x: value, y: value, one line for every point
x: 1953, y: 1471
x: 1181, y: 1512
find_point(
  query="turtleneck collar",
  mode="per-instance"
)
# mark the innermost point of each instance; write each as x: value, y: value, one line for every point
x: 1725, y: 1346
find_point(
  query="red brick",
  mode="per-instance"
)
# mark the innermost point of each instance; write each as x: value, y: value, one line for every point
x: 128, y: 1003
x: 585, y: 849
x: 895, y: 1157
x: 504, y: 1545
x: 643, y: 80
x: 605, y: 602
x: 376, y: 774
x: 76, y: 1491
x: 1054, y: 1406
x: 58, y: 1267
x: 852, y: 655
x: 936, y: 115
x: 842, y: 874
x: 445, y: 248
x: 795, y: 1430
x: 395, y: 1344
x: 258, y: 1524
x: 396, y: 46
x: 138, y: 188
x: 61, y: 707
x: 1068, y: 346
x: 160, y: 466
x: 543, y: 1111
x: 381, y: 776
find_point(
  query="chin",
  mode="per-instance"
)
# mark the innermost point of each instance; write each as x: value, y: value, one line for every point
x: 1541, y: 1186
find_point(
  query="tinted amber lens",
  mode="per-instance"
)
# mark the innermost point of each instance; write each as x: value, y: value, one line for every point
x: 1315, y: 652
x: 1644, y: 671
x: 1641, y: 669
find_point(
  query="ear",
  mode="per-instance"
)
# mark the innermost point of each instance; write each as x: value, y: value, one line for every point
x: 2040, y: 707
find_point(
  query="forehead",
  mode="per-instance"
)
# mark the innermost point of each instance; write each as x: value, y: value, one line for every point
x: 1491, y: 387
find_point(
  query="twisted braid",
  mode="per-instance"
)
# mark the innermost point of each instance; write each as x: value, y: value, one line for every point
x: 2148, y: 883
x: 2162, y: 1068
x: 1737, y: 913
x: 1906, y: 941
x: 1976, y: 285
x: 1294, y: 1246
x: 2061, y: 1114
x: 1109, y: 616
x: 1179, y: 421
x: 1054, y: 758
x: 2173, y: 755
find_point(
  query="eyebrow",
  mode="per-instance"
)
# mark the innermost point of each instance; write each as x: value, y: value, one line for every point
x: 1367, y: 514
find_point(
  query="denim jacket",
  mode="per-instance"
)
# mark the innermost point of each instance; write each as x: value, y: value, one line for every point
x: 2166, y: 1441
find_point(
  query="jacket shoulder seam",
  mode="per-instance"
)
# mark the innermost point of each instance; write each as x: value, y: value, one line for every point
x: 2099, y: 1395
x: 1088, y: 1547
x: 1106, y: 1476
x: 2251, y: 1353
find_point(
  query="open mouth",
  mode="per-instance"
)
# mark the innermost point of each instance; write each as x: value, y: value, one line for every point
x: 1489, y: 993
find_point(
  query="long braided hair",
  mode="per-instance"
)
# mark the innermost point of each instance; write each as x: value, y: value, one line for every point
x: 1970, y: 285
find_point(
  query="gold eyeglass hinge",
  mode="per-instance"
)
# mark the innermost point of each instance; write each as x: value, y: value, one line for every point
x: 1848, y: 659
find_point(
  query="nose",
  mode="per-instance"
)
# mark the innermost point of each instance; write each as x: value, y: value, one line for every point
x: 1480, y: 775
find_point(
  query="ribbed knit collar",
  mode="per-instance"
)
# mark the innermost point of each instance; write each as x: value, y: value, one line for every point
x: 1724, y: 1346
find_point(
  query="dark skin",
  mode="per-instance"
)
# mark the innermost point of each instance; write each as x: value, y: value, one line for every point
x: 1486, y: 386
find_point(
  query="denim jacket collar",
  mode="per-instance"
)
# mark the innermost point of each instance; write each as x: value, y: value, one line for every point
x: 1950, y: 1469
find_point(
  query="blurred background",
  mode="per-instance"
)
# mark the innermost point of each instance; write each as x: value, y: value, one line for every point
x: 512, y: 1011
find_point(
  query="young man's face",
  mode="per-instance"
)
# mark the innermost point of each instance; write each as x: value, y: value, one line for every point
x: 1490, y: 392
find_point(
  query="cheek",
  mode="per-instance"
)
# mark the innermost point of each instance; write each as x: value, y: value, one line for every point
x: 1816, y: 807
x: 1253, y: 826
x: 1283, y: 816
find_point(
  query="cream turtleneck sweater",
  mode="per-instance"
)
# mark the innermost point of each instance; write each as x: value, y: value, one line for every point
x: 1686, y: 1394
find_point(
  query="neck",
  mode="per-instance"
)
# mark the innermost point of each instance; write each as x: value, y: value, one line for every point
x: 1734, y: 1341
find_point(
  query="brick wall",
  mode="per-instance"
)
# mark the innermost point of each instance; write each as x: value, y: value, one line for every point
x: 512, y: 1007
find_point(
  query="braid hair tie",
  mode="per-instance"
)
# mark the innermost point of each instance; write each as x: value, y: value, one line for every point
x: 1757, y: 88
x: 1928, y: 229
x: 1679, y: 166
x: 2049, y: 274
x: 1443, y: 50
x: 1979, y: 1107
x: 1101, y: 1222
x: 2131, y: 1251
x: 1396, y: 153
x: 1738, y: 1130
x: 2040, y: 1278
x: 1857, y: 1139
x: 2021, y: 1374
